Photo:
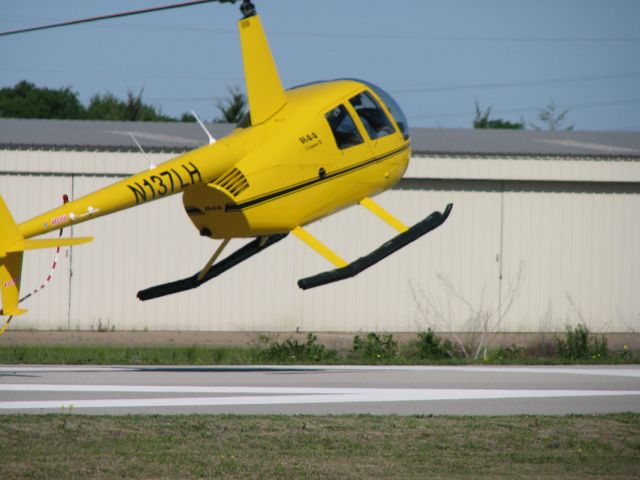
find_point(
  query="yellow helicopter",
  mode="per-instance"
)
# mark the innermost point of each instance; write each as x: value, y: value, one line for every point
x: 298, y: 155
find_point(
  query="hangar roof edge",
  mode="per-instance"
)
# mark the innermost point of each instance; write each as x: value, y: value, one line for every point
x: 31, y: 134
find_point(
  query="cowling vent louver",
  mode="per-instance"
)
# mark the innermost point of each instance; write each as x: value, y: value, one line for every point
x: 233, y: 181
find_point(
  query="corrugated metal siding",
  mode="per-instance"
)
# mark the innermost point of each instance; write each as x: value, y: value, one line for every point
x: 575, y: 242
x: 587, y: 169
x: 49, y: 310
x: 77, y: 163
x: 579, y: 247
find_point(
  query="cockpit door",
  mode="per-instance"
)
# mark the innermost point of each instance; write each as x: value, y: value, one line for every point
x: 352, y: 145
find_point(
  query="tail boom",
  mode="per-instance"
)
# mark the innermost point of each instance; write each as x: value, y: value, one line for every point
x: 12, y: 246
x: 198, y: 166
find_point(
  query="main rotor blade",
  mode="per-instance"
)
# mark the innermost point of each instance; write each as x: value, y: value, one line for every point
x: 113, y: 15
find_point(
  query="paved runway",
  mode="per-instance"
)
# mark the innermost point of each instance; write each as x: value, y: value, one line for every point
x: 320, y: 390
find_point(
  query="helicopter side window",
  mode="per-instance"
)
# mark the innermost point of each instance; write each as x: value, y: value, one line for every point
x: 343, y: 127
x: 373, y: 118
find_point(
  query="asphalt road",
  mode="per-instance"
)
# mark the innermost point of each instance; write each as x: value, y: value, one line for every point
x: 320, y: 390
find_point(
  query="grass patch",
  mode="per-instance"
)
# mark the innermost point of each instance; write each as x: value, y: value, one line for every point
x: 289, y: 352
x: 118, y: 355
x: 578, y: 347
x: 216, y: 446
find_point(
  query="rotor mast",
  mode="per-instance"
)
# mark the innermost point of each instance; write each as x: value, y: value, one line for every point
x: 248, y: 9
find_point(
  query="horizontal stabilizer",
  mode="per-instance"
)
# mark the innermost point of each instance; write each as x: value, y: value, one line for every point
x: 418, y: 230
x: 35, y: 244
x: 249, y: 250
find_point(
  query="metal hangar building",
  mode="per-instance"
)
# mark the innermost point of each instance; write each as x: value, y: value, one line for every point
x: 545, y: 232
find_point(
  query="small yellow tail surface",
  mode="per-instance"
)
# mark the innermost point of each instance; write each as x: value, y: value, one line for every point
x: 10, y: 263
x: 12, y: 246
x: 10, y: 268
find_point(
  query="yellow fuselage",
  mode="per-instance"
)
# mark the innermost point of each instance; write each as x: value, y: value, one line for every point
x: 263, y: 179
x: 290, y: 171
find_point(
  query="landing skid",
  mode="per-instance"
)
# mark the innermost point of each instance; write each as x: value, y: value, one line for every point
x: 403, y: 239
x: 249, y: 250
x: 345, y: 270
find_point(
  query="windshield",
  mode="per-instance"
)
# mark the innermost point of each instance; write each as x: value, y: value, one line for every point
x: 395, y: 110
x: 393, y: 107
x: 373, y: 118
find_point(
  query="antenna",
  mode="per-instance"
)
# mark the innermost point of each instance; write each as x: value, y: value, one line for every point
x: 211, y: 139
x: 151, y: 165
x: 136, y: 142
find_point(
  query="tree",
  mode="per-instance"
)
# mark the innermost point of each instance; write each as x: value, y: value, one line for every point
x: 552, y: 118
x: 188, y: 118
x: 232, y: 108
x: 108, y: 107
x: 480, y: 319
x: 25, y: 100
x: 482, y: 120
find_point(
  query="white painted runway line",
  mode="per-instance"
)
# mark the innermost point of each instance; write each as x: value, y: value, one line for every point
x: 633, y: 372
x: 273, y: 395
x: 110, y: 396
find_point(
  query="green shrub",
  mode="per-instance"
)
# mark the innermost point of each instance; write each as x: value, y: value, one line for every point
x: 430, y: 346
x: 291, y: 350
x: 375, y: 347
x: 579, y: 344
x: 512, y: 352
x: 626, y: 354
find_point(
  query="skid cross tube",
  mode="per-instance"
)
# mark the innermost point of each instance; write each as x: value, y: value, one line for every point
x: 399, y: 241
x: 248, y: 251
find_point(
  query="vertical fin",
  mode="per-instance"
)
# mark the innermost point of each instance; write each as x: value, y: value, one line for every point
x: 9, y: 232
x: 10, y: 270
x: 10, y: 263
x: 264, y: 89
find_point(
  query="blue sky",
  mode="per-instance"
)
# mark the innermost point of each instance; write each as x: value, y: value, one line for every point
x: 435, y: 57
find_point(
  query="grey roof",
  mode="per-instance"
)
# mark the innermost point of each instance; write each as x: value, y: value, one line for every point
x: 179, y: 137
x: 105, y: 135
x: 524, y: 142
